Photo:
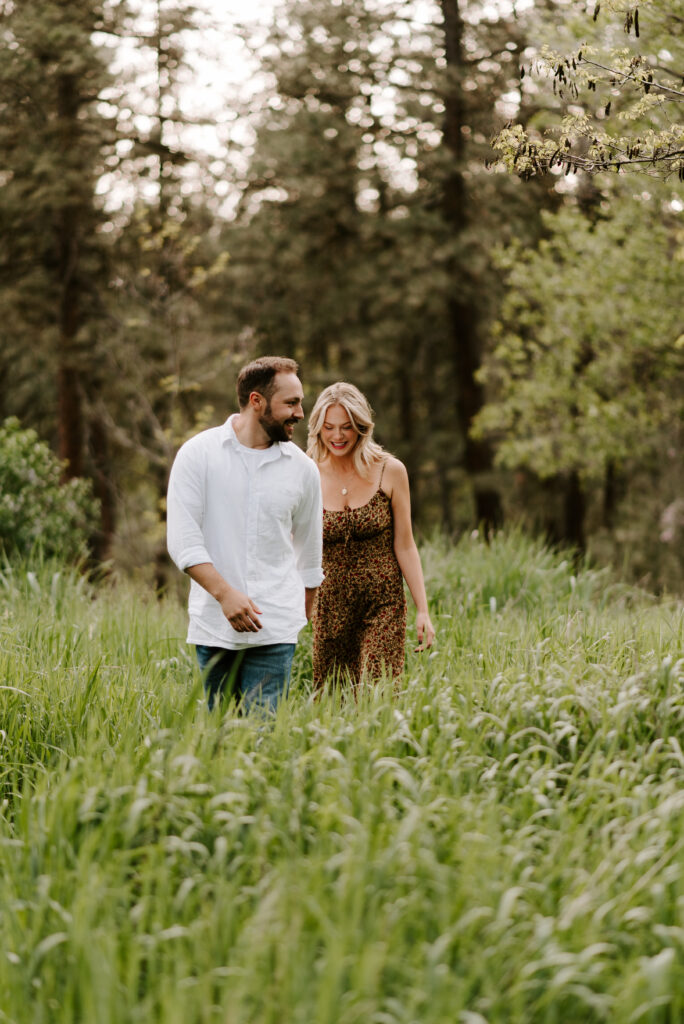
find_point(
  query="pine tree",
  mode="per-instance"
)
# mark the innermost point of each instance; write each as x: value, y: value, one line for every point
x: 166, y: 343
x: 54, y: 138
x: 366, y: 231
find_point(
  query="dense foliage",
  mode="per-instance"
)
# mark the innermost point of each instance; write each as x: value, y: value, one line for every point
x: 590, y: 359
x: 364, y: 241
x: 39, y: 513
x: 500, y: 840
x: 585, y: 377
x: 346, y: 211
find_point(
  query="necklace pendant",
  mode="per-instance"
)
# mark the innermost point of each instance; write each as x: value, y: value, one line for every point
x: 344, y: 490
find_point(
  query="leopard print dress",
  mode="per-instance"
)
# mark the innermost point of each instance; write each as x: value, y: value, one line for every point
x: 359, y: 620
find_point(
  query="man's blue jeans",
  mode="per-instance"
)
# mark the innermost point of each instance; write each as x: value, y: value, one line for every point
x: 257, y: 676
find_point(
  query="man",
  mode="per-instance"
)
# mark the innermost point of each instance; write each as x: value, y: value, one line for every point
x: 245, y: 522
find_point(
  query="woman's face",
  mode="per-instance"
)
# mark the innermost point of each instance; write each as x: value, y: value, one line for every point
x: 338, y: 433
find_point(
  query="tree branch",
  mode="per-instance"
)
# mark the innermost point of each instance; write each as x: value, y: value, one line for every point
x: 626, y: 76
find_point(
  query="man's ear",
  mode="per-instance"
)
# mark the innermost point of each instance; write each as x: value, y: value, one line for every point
x: 256, y: 401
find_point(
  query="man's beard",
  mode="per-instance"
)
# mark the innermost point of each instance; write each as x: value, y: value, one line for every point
x: 275, y: 429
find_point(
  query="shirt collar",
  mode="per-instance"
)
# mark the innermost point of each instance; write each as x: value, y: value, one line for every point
x: 229, y: 436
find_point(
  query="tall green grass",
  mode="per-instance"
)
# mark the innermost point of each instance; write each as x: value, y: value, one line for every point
x: 500, y: 841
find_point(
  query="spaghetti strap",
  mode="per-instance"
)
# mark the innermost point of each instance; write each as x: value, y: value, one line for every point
x: 384, y: 463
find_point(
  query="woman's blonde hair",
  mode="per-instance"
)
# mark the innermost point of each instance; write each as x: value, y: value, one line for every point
x: 367, y: 452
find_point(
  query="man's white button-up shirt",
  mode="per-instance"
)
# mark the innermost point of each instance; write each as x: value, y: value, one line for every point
x: 257, y: 516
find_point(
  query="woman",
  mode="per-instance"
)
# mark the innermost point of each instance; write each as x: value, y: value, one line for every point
x: 359, y: 617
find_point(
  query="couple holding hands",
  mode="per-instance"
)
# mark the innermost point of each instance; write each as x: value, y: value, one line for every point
x: 272, y: 537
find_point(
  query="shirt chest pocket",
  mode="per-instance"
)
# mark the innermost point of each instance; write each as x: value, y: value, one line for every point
x: 278, y: 508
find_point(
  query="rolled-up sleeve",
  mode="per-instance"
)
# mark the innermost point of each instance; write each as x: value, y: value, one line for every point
x: 307, y: 530
x: 185, y: 504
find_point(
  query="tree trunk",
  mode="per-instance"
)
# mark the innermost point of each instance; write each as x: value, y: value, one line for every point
x: 103, y: 487
x: 574, y: 509
x: 407, y: 427
x: 69, y: 394
x: 610, y: 495
x: 463, y: 312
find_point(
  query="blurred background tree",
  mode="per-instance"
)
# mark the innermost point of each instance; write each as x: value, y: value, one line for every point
x: 585, y: 379
x: 519, y: 339
x: 55, y: 140
x: 367, y: 224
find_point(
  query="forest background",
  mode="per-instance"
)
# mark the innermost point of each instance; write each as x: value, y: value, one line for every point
x: 472, y: 210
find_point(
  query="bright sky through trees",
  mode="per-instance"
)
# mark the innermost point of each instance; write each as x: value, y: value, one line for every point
x: 215, y: 82
x: 207, y: 110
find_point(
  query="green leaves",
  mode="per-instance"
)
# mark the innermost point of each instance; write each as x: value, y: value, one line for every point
x: 38, y: 513
x: 585, y: 368
x: 602, y: 134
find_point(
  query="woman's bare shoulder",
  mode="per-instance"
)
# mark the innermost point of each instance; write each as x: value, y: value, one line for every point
x: 393, y: 474
x: 394, y: 465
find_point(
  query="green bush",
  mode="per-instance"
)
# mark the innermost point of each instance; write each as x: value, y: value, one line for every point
x: 37, y: 510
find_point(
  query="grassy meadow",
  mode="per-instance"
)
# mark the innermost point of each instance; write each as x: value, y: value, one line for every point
x: 501, y: 841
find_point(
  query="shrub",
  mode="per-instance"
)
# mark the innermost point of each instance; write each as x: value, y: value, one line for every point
x: 37, y: 510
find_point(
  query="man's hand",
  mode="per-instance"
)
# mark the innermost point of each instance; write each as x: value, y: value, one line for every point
x: 240, y: 611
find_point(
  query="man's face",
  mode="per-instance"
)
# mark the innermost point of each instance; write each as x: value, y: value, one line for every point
x: 284, y: 410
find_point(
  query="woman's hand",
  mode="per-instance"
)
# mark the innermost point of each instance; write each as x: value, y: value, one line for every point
x: 425, y: 631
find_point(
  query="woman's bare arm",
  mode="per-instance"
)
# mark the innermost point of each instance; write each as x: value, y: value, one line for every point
x: 396, y: 485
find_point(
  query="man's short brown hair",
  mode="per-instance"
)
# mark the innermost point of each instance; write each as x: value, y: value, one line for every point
x: 260, y: 374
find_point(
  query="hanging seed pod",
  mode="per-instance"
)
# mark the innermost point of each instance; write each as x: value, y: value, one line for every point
x: 636, y: 22
x: 607, y: 109
x: 596, y: 11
